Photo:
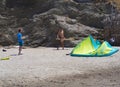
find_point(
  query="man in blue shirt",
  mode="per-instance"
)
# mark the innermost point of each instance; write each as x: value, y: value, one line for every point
x: 20, y: 41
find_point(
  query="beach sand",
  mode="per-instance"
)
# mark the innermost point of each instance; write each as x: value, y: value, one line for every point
x: 48, y: 67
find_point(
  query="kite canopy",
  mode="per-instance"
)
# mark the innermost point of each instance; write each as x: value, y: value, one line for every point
x: 90, y: 47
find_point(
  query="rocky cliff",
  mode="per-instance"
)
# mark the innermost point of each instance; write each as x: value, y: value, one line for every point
x: 41, y: 19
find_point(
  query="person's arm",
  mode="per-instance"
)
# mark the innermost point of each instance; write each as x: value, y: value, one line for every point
x: 63, y: 34
x: 23, y: 37
x: 58, y: 34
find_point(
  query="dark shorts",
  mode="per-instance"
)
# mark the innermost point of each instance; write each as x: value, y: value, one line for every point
x: 20, y: 43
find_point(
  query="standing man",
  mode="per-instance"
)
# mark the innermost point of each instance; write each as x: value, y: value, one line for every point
x: 60, y: 35
x: 20, y: 41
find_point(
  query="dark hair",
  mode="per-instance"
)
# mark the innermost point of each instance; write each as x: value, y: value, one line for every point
x: 60, y: 29
x: 19, y: 29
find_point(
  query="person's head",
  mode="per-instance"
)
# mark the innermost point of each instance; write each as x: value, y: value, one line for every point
x: 60, y: 29
x: 19, y: 29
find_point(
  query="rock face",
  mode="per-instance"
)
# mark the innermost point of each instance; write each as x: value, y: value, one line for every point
x: 82, y: 1
x: 42, y: 19
x: 112, y: 29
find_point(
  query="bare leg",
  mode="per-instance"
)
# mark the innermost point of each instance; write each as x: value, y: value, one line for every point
x: 20, y: 49
x: 58, y: 42
x: 62, y: 43
x: 57, y: 48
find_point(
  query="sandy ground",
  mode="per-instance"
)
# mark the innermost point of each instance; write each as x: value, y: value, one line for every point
x: 48, y: 67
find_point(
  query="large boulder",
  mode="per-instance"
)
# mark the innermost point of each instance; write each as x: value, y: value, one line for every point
x: 43, y: 31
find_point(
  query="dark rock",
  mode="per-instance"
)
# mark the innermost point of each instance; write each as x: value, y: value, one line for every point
x: 41, y: 20
x: 112, y: 29
x: 83, y: 1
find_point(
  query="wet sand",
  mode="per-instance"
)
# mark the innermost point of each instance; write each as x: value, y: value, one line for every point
x: 48, y: 67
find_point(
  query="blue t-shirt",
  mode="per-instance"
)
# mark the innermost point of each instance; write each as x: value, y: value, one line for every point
x: 19, y: 37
